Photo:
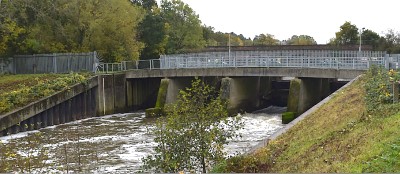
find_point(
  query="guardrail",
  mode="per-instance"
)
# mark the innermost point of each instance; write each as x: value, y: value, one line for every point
x: 292, y: 59
x: 275, y: 61
x: 128, y: 65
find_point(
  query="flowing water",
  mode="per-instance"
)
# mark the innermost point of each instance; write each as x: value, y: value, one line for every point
x: 115, y: 143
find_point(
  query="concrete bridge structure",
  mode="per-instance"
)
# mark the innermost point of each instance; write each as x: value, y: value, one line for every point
x: 248, y: 79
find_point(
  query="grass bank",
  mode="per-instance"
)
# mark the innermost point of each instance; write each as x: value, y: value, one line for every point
x: 19, y: 90
x: 14, y: 82
x: 341, y: 136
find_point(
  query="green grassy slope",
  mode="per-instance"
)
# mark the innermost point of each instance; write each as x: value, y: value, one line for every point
x: 13, y: 82
x: 339, y: 137
x: 19, y: 90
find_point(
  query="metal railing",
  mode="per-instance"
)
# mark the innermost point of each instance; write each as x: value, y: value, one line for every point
x: 324, y: 59
x: 276, y: 61
x: 128, y: 65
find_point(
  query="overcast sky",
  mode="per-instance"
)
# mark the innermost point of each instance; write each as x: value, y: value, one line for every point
x: 284, y: 18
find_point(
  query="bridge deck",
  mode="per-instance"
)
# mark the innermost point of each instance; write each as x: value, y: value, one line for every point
x: 245, y: 72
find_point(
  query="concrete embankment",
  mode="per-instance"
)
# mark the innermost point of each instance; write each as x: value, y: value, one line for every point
x: 101, y: 95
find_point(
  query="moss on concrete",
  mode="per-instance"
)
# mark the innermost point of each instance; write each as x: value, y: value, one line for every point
x: 162, y: 93
x: 287, y: 117
x: 294, y: 95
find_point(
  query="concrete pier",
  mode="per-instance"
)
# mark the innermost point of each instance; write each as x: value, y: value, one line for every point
x: 306, y: 92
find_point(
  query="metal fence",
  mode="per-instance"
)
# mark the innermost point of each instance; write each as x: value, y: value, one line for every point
x: 6, y: 65
x: 128, y: 65
x: 394, y: 61
x: 282, y: 58
x: 54, y: 63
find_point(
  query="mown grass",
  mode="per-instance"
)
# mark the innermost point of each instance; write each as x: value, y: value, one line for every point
x: 339, y: 137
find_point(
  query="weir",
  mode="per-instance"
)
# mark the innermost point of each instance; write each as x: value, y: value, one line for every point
x: 118, y: 93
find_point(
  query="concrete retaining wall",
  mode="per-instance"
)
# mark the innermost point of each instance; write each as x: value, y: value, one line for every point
x: 69, y: 105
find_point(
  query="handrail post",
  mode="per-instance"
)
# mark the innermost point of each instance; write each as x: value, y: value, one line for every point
x: 107, y: 68
x: 151, y: 63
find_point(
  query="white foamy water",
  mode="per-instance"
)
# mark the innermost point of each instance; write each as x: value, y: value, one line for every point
x: 118, y: 143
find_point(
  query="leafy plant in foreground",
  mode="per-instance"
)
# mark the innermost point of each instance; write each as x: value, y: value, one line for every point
x: 192, y: 135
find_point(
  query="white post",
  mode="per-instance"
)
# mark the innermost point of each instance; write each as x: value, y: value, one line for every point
x: 104, y: 99
x: 229, y: 47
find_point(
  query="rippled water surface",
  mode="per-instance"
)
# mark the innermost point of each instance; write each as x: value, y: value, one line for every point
x: 117, y: 143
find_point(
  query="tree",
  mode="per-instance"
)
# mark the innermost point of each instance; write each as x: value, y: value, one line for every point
x: 301, y: 40
x: 11, y: 35
x: 265, y: 39
x: 184, y: 31
x: 348, y: 35
x: 148, y: 5
x: 191, y: 136
x: 209, y: 36
x: 392, y: 42
x: 109, y: 27
x: 153, y: 34
x: 369, y: 37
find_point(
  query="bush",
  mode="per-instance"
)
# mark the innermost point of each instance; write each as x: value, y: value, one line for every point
x: 378, y: 89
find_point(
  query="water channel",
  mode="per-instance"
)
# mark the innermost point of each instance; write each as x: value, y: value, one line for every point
x: 116, y: 143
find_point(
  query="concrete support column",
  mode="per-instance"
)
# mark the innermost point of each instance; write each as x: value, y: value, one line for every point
x: 162, y: 93
x: 242, y: 93
x: 174, y: 86
x: 306, y: 92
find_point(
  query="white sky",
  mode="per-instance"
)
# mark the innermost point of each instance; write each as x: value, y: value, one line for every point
x: 284, y: 18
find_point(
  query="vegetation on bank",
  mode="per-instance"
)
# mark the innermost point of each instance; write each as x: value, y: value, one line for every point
x: 138, y: 29
x: 192, y: 134
x: 356, y: 131
x: 20, y: 90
